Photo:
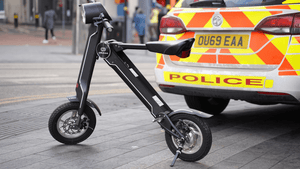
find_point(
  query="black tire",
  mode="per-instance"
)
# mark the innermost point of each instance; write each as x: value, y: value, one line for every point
x: 62, y: 130
x: 208, y: 105
x: 202, y: 140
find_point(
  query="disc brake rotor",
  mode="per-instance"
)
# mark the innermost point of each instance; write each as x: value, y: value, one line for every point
x: 193, y: 136
x: 67, y: 124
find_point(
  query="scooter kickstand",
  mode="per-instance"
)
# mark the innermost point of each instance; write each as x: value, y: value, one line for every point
x: 176, y: 156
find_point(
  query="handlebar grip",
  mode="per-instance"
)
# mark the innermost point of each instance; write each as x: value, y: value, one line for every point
x: 108, y: 26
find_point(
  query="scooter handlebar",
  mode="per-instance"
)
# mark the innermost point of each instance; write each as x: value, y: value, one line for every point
x: 108, y: 26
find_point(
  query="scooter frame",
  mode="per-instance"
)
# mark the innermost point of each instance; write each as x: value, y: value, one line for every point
x: 112, y: 52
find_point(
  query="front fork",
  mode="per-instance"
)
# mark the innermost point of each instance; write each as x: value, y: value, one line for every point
x: 87, y: 68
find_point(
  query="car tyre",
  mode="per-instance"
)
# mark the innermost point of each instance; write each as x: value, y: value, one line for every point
x: 208, y: 105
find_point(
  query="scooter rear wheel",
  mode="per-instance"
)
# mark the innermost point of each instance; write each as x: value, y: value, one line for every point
x: 62, y: 123
x: 198, y: 137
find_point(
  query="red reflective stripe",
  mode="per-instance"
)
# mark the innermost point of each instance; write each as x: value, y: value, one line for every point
x: 237, y: 19
x: 208, y: 59
x: 278, y: 7
x: 270, y: 55
x: 161, y: 37
x: 258, y: 40
x: 298, y: 39
x: 174, y: 58
x: 187, y: 35
x: 227, y: 59
x: 286, y: 65
x: 288, y: 73
x: 275, y: 12
x: 160, y: 66
x: 225, y: 51
x: 161, y: 61
x: 200, y: 20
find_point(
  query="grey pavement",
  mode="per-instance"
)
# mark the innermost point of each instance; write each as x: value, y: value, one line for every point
x: 125, y: 137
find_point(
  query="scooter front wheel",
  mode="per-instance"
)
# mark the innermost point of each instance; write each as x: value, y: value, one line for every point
x: 62, y: 123
x: 197, y: 134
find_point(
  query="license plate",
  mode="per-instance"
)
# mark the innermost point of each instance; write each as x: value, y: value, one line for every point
x: 222, y: 41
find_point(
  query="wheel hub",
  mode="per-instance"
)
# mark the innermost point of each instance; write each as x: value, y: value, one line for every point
x: 67, y: 125
x: 192, y: 134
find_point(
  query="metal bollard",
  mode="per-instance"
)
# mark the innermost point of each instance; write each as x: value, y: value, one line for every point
x: 16, y: 20
x: 37, y: 16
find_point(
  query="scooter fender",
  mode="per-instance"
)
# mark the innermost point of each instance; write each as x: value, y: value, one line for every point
x: 191, y: 112
x: 89, y: 103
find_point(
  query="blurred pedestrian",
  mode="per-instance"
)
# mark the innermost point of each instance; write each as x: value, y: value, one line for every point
x: 135, y: 12
x: 154, y: 23
x: 140, y: 25
x: 48, y: 23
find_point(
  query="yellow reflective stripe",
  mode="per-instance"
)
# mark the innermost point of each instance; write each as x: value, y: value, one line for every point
x: 256, y: 16
x: 199, y: 50
x: 294, y: 49
x: 209, y: 24
x: 290, y: 1
x: 249, y: 59
x: 186, y: 17
x: 170, y: 38
x: 281, y: 44
x: 192, y: 58
x: 158, y: 57
x: 269, y: 36
x: 242, y: 51
x: 295, y: 7
x: 179, y: 36
x: 269, y: 84
x: 294, y: 41
x: 225, y: 24
x: 294, y: 60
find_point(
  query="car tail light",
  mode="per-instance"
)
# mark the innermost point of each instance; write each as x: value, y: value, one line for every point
x: 296, y: 24
x: 280, y: 25
x: 171, y: 25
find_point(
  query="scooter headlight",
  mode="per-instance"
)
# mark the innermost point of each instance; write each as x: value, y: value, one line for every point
x: 92, y: 10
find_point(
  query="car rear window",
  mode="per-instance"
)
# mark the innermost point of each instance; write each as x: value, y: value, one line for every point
x: 228, y: 3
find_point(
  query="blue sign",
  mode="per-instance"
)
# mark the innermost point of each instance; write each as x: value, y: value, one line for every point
x: 120, y: 9
x: 1, y: 5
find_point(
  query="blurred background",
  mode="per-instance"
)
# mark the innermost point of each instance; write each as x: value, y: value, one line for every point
x: 30, y: 13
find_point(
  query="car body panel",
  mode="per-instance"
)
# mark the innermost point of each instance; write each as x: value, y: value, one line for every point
x: 230, y: 55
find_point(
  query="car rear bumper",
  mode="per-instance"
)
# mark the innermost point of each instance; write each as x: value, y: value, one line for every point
x: 249, y: 96
x: 256, y: 86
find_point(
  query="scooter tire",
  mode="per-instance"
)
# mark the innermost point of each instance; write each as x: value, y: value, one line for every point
x: 60, y: 127
x: 199, y: 136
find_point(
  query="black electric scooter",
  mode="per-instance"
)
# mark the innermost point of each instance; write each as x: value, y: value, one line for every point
x: 186, y: 134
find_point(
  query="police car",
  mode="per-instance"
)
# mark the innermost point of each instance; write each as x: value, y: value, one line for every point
x: 244, y: 50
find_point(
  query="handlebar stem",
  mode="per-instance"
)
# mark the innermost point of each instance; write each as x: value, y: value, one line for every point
x: 123, y: 46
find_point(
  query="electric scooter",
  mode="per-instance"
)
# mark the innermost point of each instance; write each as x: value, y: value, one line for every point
x: 187, y: 135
